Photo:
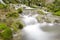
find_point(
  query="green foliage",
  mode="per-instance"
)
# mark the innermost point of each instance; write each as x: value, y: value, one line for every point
x: 2, y: 26
x: 20, y: 10
x: 5, y: 32
x: 51, y: 7
x: 11, y: 1
x: 13, y: 15
x: 57, y: 13
x: 55, y: 6
x: 27, y: 2
x: 2, y: 6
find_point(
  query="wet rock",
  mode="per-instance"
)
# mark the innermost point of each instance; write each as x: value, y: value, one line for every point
x: 57, y: 21
x: 17, y: 36
x: 47, y: 20
x: 40, y: 19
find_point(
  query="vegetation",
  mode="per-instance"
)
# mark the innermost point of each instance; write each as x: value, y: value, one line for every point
x: 40, y: 12
x: 11, y: 1
x: 54, y: 7
x: 20, y: 10
x: 27, y: 2
x: 10, y: 21
x: 5, y: 32
x: 57, y: 13
x: 12, y: 14
x: 2, y: 6
x: 17, y: 25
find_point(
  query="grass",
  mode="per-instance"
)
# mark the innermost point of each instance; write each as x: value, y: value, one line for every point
x: 57, y: 13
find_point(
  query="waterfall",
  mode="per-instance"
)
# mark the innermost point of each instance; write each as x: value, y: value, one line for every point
x: 33, y: 31
x: 2, y: 2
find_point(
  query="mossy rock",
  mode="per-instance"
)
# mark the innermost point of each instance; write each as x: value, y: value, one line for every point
x: 40, y: 12
x: 12, y: 14
x: 39, y: 18
x: 5, y: 32
x: 20, y: 10
x: 17, y: 25
x: 20, y: 25
x: 57, y: 21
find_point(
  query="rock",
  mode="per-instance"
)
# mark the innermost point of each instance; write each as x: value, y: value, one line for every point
x: 57, y: 21
x: 17, y: 36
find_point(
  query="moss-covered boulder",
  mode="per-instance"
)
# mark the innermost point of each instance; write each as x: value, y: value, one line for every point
x: 20, y: 25
x: 39, y: 18
x: 12, y: 14
x: 17, y: 25
x: 20, y: 10
x: 5, y: 32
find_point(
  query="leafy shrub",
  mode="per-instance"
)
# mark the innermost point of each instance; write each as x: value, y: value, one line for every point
x: 57, y: 13
x: 5, y: 32
x: 20, y: 10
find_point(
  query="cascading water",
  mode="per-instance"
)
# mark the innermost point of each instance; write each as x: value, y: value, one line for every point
x: 33, y: 30
x: 2, y: 1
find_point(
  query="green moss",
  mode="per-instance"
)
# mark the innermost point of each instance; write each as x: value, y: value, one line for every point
x: 20, y: 25
x: 13, y: 15
x: 20, y: 10
x: 14, y: 26
x: 17, y: 25
x: 5, y: 32
x: 57, y: 13
x: 2, y: 26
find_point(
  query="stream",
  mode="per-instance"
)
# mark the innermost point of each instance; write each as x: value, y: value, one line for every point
x: 34, y: 30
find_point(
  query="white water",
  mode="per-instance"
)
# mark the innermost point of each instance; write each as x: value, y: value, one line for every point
x: 33, y: 30
x: 2, y: 1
